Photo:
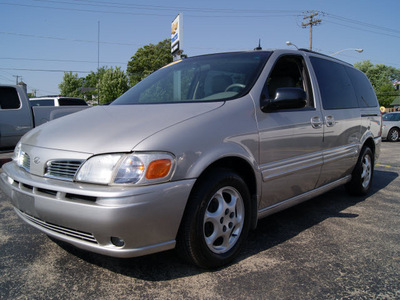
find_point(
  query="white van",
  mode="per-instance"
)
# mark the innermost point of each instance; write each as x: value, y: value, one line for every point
x: 56, y: 101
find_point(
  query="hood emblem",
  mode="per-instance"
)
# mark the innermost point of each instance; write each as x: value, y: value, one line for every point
x: 36, y: 160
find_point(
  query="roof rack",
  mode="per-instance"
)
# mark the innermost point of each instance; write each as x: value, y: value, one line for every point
x: 48, y: 96
x: 326, y: 55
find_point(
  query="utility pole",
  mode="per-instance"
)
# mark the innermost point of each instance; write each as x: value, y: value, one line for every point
x: 98, y: 62
x: 312, y: 22
x: 17, y: 76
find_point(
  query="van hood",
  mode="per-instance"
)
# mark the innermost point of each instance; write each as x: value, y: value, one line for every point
x: 114, y: 128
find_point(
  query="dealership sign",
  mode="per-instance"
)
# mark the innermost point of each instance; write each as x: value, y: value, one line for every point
x: 176, y: 34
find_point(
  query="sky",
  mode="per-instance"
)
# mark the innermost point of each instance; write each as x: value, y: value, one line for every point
x: 42, y: 39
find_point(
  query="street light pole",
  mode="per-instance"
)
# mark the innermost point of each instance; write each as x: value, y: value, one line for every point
x: 289, y: 43
x: 350, y: 49
x: 98, y: 62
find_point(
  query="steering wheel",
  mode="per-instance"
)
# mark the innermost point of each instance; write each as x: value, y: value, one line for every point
x: 242, y: 86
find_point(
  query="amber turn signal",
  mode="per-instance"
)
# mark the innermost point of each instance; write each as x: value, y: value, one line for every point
x: 158, y: 169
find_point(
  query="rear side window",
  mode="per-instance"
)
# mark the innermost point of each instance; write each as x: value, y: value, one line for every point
x: 9, y: 98
x: 43, y: 102
x: 71, y: 101
x: 391, y: 117
x: 365, y: 93
x: 336, y: 88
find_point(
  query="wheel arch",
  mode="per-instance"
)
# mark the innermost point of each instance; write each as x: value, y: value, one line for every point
x: 241, y: 167
x: 371, y: 144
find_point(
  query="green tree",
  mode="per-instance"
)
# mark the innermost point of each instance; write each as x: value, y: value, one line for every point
x: 91, y: 82
x: 112, y: 84
x: 71, y: 86
x: 147, y: 60
x: 386, y: 94
x: 382, y: 78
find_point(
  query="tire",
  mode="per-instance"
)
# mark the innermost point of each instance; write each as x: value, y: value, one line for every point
x: 362, y: 175
x: 216, y: 220
x: 393, y: 135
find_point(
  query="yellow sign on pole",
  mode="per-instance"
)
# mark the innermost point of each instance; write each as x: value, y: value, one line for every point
x: 176, y: 35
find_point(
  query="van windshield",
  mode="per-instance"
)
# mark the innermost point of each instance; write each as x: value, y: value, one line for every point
x: 213, y: 77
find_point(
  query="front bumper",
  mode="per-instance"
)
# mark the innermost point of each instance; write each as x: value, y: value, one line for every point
x: 88, y: 216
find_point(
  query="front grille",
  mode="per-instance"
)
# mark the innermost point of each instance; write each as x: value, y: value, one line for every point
x: 62, y: 169
x: 88, y: 237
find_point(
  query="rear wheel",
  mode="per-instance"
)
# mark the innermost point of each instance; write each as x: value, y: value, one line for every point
x: 361, y: 180
x: 393, y: 135
x: 216, y: 221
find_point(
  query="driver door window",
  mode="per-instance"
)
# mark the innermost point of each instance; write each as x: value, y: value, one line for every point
x: 290, y: 71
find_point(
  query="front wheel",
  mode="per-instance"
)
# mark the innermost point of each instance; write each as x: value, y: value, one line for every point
x: 216, y: 221
x: 393, y: 135
x: 361, y: 180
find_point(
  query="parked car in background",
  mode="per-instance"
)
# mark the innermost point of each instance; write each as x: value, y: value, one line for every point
x: 56, y: 101
x: 391, y: 126
x: 17, y: 116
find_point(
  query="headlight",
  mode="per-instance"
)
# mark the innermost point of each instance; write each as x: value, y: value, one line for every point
x: 98, y: 169
x: 20, y: 157
x: 135, y: 168
x: 18, y: 154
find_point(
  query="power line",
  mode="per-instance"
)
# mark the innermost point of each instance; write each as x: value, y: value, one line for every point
x: 201, y: 12
x: 30, y: 87
x: 363, y: 29
x: 87, y: 10
x: 93, y: 41
x: 280, y: 13
x: 364, y: 24
x: 5, y: 78
x: 66, y: 39
x: 62, y: 60
x: 167, y: 8
x: 45, y: 70
x: 226, y: 13
x: 12, y: 81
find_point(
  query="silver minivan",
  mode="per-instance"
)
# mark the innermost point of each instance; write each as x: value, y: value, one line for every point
x: 191, y: 157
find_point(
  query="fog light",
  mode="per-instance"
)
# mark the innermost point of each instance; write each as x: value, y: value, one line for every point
x: 116, y: 241
x: 10, y: 180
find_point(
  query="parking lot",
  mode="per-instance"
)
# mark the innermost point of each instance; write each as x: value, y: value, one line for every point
x: 331, y: 247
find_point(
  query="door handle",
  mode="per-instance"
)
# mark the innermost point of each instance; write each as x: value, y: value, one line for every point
x: 330, y: 121
x: 316, y: 122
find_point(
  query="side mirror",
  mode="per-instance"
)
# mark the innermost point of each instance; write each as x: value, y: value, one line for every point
x: 285, y: 98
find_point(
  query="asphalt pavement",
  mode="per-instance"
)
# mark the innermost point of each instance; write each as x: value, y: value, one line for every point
x: 331, y: 247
